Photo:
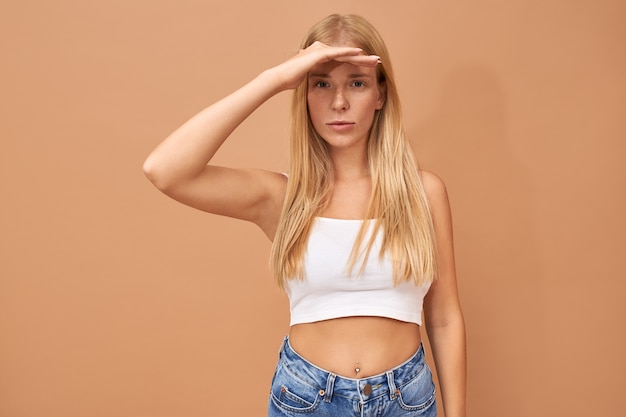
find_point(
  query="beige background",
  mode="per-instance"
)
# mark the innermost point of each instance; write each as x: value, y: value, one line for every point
x: 116, y: 301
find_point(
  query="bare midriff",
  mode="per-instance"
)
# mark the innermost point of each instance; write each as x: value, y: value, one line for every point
x: 371, y: 345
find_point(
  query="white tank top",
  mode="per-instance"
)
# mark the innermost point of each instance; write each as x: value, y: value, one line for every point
x: 328, y: 291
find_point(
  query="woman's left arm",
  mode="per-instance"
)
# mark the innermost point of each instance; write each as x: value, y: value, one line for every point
x: 442, y: 309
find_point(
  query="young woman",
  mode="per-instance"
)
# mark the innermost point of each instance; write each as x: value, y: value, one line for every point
x: 362, y: 240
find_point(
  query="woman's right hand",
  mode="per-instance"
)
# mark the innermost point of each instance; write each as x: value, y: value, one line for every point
x: 292, y: 72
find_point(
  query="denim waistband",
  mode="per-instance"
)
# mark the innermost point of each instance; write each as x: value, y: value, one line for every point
x: 363, y: 389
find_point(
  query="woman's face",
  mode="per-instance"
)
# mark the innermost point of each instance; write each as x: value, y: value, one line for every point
x: 342, y: 100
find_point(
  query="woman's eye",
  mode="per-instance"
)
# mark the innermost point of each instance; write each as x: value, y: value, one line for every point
x: 322, y: 84
x: 358, y: 84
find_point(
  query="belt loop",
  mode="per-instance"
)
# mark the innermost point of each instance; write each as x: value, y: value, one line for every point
x: 330, y: 385
x: 392, y: 385
x: 282, y: 346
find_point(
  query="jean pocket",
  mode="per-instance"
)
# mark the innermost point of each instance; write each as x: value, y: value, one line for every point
x: 418, y: 394
x: 292, y: 394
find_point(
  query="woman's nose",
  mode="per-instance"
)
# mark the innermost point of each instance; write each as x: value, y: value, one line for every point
x: 340, y: 102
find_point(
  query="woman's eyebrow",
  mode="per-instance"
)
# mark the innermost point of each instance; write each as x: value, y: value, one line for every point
x: 359, y: 75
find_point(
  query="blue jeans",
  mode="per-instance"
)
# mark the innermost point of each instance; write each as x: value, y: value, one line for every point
x: 301, y: 389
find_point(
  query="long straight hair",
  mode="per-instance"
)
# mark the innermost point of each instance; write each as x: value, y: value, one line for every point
x: 398, y: 205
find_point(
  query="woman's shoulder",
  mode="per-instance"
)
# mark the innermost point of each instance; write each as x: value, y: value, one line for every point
x: 437, y: 196
x: 433, y: 185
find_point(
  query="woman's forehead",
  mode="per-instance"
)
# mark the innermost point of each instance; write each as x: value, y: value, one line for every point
x: 337, y: 69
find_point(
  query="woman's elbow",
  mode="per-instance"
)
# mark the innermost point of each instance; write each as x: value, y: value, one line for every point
x: 155, y: 173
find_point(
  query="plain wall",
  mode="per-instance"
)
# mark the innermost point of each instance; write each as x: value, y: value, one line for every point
x: 116, y: 301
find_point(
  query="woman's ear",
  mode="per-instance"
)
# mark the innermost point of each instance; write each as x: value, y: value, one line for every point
x: 382, y: 95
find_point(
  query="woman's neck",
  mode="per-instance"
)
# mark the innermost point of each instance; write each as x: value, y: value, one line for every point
x: 349, y: 164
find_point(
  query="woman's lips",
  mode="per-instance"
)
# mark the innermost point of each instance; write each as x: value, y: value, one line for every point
x: 340, y: 126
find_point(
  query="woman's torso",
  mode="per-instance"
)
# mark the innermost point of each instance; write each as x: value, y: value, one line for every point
x: 336, y: 345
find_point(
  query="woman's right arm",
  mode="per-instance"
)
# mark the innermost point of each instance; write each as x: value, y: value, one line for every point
x: 179, y: 166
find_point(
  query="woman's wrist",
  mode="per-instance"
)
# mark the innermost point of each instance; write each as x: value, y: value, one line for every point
x: 272, y: 79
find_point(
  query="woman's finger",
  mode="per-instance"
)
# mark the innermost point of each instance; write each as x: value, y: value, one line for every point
x: 361, y: 60
x: 349, y: 54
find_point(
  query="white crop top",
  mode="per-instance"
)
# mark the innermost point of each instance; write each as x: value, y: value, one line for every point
x: 328, y: 291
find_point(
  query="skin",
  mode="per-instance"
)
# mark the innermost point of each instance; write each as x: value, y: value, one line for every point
x: 343, y: 97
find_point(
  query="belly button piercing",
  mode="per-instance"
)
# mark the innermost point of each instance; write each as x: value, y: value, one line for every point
x: 357, y: 369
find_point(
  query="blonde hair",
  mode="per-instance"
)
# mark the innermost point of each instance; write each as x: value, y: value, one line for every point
x: 398, y: 204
